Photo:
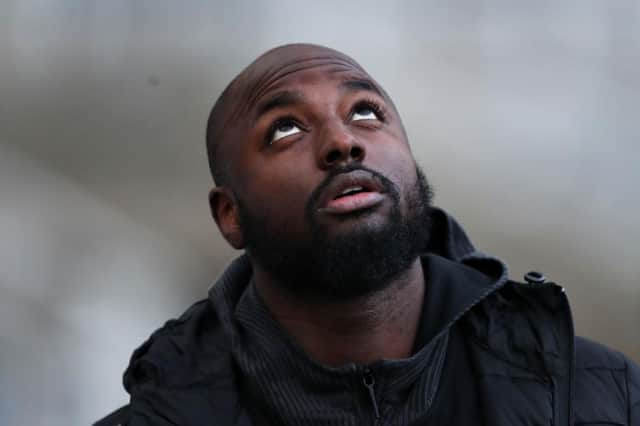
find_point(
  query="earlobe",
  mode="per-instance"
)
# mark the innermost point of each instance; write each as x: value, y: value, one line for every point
x: 224, y: 210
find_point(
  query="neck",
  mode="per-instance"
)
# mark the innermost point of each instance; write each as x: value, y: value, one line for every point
x: 382, y: 325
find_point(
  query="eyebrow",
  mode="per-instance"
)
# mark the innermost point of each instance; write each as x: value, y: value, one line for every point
x: 358, y: 84
x: 279, y: 100
x: 292, y: 97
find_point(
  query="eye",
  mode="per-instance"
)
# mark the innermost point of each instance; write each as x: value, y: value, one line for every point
x: 282, y: 129
x: 365, y: 111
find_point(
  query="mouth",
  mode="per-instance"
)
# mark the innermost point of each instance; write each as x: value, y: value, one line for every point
x: 351, y: 192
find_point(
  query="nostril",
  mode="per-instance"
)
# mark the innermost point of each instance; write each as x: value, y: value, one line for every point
x: 356, y: 152
x: 333, y: 156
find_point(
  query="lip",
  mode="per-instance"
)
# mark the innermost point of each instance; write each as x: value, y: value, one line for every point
x: 372, y: 194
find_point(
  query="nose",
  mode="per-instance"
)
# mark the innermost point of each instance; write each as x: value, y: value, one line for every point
x: 338, y: 146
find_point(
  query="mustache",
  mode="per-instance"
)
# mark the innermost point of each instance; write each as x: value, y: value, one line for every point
x: 386, y: 183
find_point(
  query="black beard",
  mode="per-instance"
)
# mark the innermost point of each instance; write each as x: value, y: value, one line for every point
x: 346, y: 267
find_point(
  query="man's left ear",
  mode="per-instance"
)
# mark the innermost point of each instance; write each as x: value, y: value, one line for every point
x: 224, y: 210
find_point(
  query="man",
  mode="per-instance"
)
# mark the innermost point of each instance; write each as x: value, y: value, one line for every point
x: 356, y: 301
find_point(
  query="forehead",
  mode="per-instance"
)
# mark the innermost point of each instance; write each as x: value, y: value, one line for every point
x: 279, y: 72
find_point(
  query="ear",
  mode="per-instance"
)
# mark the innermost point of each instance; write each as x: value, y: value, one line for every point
x: 224, y: 210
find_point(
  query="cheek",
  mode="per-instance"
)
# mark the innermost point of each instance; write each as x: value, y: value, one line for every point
x: 278, y: 195
x: 394, y: 160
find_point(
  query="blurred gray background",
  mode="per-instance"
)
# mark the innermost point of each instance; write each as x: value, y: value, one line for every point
x: 524, y: 115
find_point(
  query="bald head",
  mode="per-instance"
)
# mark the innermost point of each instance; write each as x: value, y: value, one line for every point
x: 263, y: 75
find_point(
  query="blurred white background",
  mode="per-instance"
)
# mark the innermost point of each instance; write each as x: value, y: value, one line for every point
x: 524, y: 115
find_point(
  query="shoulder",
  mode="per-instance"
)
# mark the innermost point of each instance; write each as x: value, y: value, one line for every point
x: 607, y: 384
x: 183, y: 351
x: 593, y: 355
x: 184, y: 373
x: 196, y: 347
x: 593, y: 359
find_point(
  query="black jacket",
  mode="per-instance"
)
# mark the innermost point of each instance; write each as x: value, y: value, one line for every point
x: 489, y: 351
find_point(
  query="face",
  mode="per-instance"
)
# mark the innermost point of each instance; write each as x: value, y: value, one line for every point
x: 329, y: 199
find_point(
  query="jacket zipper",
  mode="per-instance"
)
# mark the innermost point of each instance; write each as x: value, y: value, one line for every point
x: 369, y: 382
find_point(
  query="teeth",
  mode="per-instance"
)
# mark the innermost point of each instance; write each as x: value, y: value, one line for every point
x: 351, y: 189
